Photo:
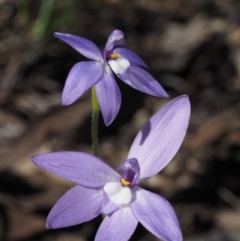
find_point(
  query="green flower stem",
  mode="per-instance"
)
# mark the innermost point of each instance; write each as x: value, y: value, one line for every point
x: 95, y: 114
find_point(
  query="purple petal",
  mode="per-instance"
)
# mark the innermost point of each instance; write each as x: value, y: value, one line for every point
x: 116, y: 38
x: 82, y: 76
x: 108, y: 207
x: 109, y: 96
x: 130, y: 56
x: 141, y: 80
x: 78, y: 167
x: 78, y: 205
x: 84, y: 46
x: 157, y: 215
x: 120, y: 67
x: 159, y: 140
x: 115, y: 196
x: 118, y: 227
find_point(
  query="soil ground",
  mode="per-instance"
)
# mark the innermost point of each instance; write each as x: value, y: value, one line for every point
x: 191, y: 47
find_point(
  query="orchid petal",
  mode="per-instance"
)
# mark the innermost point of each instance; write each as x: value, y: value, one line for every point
x: 84, y: 46
x: 109, y: 96
x: 118, y: 227
x: 82, y: 76
x: 116, y: 38
x: 133, y: 58
x: 115, y: 196
x: 78, y: 205
x: 161, y: 137
x: 120, y: 67
x: 108, y: 207
x: 117, y: 193
x: 157, y: 215
x: 78, y: 167
x: 141, y: 80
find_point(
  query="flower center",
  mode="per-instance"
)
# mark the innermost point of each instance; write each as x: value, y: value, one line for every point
x: 118, y: 194
x: 125, y: 182
x: 115, y: 196
x: 114, y: 56
x: 130, y: 172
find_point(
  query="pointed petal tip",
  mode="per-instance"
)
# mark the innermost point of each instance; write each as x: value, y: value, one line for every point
x: 160, y: 92
x: 55, y: 34
x: 108, y: 122
x: 35, y: 159
x: 38, y: 159
x: 181, y: 100
x: 58, y: 34
x: 184, y: 99
x: 50, y: 224
x: 66, y: 102
x: 165, y: 95
x: 117, y: 31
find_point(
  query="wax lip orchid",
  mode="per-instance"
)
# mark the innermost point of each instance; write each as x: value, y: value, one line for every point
x: 122, y: 61
x: 116, y: 194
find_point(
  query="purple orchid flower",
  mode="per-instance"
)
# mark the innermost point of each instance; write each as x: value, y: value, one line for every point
x: 123, y: 62
x: 103, y: 190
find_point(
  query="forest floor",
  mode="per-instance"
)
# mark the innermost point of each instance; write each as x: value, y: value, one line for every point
x: 191, y: 47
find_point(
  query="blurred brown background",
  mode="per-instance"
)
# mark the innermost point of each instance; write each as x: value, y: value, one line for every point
x: 192, y: 47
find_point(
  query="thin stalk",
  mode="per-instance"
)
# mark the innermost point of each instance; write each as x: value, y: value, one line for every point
x: 95, y: 114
